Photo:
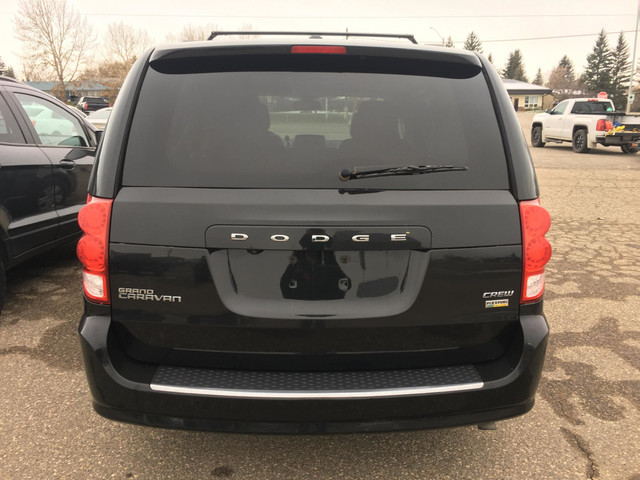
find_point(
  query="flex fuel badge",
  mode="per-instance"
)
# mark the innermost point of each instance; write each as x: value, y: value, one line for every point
x: 496, y: 303
x: 499, y: 301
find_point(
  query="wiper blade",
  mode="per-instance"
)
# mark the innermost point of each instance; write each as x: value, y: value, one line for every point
x: 355, y: 172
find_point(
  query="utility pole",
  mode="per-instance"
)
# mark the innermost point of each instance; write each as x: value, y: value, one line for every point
x: 633, y: 63
x: 438, y: 33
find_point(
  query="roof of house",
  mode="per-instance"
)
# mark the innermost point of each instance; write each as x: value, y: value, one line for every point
x: 48, y: 86
x: 516, y: 87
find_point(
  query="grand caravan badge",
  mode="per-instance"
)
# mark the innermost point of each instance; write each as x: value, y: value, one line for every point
x: 146, y: 294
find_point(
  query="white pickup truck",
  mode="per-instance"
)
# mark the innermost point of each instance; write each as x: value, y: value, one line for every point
x: 587, y: 122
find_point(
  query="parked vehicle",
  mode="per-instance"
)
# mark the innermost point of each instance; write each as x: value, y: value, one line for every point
x: 91, y: 104
x: 100, y: 117
x: 46, y: 156
x: 291, y: 241
x: 50, y: 124
x: 586, y: 123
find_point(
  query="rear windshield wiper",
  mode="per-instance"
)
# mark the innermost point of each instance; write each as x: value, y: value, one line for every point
x: 355, y: 172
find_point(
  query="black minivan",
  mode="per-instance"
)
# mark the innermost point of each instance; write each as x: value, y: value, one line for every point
x: 313, y: 235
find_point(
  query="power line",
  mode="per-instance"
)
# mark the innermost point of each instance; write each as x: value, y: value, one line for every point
x: 553, y: 37
x: 353, y: 17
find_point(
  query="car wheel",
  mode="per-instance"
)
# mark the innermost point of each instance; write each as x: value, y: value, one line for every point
x: 3, y: 284
x: 580, y: 141
x: 536, y: 137
x: 629, y: 148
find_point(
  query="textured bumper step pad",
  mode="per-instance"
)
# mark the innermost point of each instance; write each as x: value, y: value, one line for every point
x: 354, y: 384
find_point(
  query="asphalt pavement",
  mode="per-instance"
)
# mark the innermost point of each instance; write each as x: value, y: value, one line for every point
x: 585, y: 424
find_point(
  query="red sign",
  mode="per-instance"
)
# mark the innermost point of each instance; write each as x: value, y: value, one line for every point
x: 602, y: 96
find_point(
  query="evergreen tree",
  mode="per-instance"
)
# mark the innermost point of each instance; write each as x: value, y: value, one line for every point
x: 515, y: 67
x: 597, y: 74
x: 473, y: 43
x: 490, y: 58
x: 538, y: 80
x: 620, y: 73
x: 569, y: 71
x: 449, y: 43
x: 6, y: 71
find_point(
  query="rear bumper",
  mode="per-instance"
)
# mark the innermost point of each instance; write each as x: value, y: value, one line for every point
x: 505, y: 388
x: 619, y: 139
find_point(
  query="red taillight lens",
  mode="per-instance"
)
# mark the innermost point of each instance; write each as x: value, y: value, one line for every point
x: 603, y: 125
x: 85, y: 105
x: 318, y: 49
x: 536, y: 250
x: 93, y: 247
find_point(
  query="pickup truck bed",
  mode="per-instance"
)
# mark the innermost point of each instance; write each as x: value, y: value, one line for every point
x: 91, y: 104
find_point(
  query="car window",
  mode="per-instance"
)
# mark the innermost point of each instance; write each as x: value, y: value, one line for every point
x: 275, y: 129
x: 592, y: 107
x: 53, y: 125
x: 560, y: 108
x: 9, y: 130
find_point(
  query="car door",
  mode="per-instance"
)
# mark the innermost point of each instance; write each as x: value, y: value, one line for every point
x: 66, y: 141
x: 28, y: 217
x: 554, y: 124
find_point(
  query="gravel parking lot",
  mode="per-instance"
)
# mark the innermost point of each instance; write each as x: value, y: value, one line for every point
x: 586, y: 422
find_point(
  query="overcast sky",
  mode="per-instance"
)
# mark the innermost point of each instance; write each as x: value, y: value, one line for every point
x: 502, y: 26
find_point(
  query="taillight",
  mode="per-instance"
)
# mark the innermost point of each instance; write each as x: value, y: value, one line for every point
x: 604, y: 125
x: 85, y: 106
x: 536, y: 250
x: 93, y: 248
x: 318, y: 49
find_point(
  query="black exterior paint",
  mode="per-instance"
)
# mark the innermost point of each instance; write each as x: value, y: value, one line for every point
x: 120, y: 389
x: 524, y: 184
x: 451, y: 294
x: 184, y: 294
x: 39, y: 195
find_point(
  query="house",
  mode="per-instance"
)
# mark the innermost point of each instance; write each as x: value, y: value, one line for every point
x: 73, y: 90
x: 526, y: 96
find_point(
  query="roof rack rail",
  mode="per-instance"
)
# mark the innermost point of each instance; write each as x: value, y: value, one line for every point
x: 411, y: 38
x: 10, y: 79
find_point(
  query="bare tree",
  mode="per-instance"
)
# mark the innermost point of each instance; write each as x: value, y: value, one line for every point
x: 124, y: 43
x: 562, y: 83
x: 55, y: 36
x: 108, y: 73
x: 192, y: 33
x: 32, y: 71
x: 247, y: 27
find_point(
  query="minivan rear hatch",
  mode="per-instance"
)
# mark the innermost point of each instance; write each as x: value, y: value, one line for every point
x: 235, y: 241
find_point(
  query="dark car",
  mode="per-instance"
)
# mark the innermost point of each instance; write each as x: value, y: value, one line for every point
x: 46, y: 155
x: 92, y: 104
x: 313, y: 235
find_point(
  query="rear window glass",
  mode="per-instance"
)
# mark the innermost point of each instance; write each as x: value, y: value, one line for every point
x: 592, y: 107
x: 299, y: 129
